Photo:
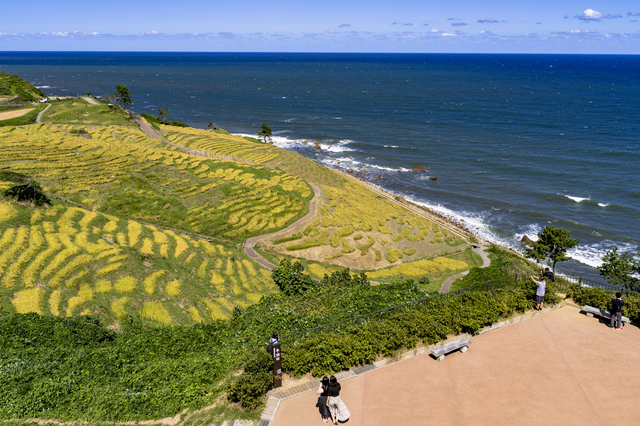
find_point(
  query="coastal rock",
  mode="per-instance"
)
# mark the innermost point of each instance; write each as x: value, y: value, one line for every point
x: 419, y: 169
x: 526, y: 240
x: 433, y: 178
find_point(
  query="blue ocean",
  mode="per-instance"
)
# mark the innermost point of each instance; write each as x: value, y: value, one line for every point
x: 516, y: 142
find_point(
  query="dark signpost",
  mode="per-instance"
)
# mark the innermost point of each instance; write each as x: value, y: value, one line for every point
x: 277, y: 365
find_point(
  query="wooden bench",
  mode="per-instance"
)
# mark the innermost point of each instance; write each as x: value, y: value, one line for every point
x: 441, y: 351
x: 591, y: 311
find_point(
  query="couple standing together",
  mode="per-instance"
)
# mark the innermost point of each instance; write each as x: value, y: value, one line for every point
x: 329, y: 402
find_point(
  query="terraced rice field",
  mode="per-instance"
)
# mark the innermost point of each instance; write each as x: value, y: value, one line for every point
x: 222, y: 146
x: 120, y: 170
x: 360, y: 230
x: 67, y: 261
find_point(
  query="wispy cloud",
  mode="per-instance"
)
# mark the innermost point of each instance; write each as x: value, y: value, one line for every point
x: 344, y: 25
x: 633, y: 13
x: 458, y: 24
x: 488, y: 21
x: 408, y: 24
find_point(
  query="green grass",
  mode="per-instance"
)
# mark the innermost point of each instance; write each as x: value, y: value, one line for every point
x: 14, y: 86
x: 79, y: 111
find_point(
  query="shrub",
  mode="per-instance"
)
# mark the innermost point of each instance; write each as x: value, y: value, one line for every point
x: 256, y: 379
x: 28, y: 192
x: 290, y: 278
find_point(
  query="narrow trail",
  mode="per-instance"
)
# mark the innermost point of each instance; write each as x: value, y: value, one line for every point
x: 42, y: 112
x: 91, y: 100
x: 446, y: 286
x: 251, y: 242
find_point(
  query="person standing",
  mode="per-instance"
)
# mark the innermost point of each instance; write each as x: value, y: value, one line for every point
x: 548, y: 274
x: 339, y: 411
x: 540, y: 291
x: 322, y: 399
x: 616, y: 311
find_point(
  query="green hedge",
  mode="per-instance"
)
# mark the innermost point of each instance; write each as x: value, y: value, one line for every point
x: 601, y: 299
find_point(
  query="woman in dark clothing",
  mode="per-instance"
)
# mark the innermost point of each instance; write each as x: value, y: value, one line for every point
x: 322, y: 399
x: 339, y: 411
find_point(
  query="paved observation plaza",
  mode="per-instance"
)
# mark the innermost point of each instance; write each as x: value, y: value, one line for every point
x: 559, y: 367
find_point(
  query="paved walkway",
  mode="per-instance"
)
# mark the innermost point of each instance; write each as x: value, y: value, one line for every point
x: 556, y: 368
x: 446, y: 286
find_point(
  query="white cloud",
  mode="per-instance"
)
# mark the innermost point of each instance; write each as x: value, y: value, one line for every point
x: 594, y: 15
x: 433, y: 30
x: 447, y: 35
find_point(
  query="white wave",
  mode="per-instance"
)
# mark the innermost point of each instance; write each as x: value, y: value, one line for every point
x: 45, y: 87
x: 593, y: 254
x: 289, y: 120
x: 337, y: 118
x: 604, y: 204
x: 391, y: 146
x: 576, y: 199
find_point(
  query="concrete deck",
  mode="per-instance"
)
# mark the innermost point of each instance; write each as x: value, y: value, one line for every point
x: 560, y: 367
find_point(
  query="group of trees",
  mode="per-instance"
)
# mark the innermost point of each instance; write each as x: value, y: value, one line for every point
x: 620, y: 269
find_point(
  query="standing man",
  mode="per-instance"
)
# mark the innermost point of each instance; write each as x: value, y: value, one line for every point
x: 548, y: 274
x: 616, y: 311
x: 540, y: 291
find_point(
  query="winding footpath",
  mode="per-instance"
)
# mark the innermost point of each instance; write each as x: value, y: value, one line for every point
x: 446, y: 286
x: 42, y: 112
x: 251, y: 242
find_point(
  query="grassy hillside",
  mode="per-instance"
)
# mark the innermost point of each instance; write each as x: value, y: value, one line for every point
x: 13, y: 87
x: 79, y: 111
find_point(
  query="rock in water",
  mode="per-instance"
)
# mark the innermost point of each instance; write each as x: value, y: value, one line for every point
x: 526, y: 240
x: 419, y: 169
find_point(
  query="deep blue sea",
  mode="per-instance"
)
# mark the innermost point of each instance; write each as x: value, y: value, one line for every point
x: 517, y: 142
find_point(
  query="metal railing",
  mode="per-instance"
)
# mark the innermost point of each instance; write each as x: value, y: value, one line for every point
x: 562, y: 284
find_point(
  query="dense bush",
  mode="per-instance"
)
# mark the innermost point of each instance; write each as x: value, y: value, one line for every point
x: 30, y: 191
x: 255, y: 381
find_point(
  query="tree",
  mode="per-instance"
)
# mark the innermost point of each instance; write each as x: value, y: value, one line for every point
x: 620, y: 269
x: 29, y: 191
x: 291, y: 279
x: 123, y: 95
x: 266, y: 132
x: 162, y: 113
x: 552, y: 246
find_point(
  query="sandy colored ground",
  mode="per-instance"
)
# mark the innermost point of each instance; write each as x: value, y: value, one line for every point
x: 13, y: 114
x: 557, y: 368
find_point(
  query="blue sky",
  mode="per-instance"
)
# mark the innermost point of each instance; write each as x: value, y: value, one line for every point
x: 499, y: 26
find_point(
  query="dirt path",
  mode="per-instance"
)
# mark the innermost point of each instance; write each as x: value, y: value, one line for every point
x: 485, y: 262
x: 251, y: 242
x: 90, y: 100
x: 38, y: 120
